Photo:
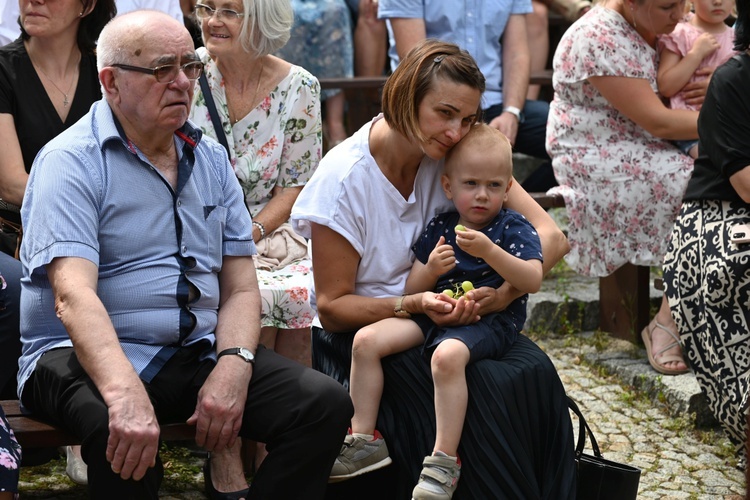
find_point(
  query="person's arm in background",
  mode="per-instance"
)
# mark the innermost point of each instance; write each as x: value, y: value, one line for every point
x: 134, y: 431
x: 407, y: 32
x: 516, y: 70
x: 370, y: 40
x: 634, y: 98
x: 13, y: 176
x: 554, y: 247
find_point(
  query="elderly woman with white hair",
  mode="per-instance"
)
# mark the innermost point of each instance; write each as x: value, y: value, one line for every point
x: 266, y: 112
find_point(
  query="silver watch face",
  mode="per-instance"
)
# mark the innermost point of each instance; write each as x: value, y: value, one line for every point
x: 246, y: 355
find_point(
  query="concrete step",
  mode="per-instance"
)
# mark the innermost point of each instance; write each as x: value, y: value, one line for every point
x: 570, y: 305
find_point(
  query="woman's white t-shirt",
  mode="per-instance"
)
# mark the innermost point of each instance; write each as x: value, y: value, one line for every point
x: 350, y: 195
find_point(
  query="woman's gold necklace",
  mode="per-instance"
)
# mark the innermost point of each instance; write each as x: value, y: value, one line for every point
x: 66, y: 101
x: 255, y: 95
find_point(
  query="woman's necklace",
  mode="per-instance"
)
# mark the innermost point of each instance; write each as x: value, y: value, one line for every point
x: 255, y: 95
x: 66, y: 101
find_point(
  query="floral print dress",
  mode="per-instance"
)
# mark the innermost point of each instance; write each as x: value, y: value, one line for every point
x: 276, y: 144
x: 10, y: 450
x: 622, y: 186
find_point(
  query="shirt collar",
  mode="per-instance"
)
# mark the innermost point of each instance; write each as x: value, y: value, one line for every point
x: 109, y: 128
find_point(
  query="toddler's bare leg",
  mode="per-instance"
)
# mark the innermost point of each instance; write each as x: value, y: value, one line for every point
x: 371, y: 344
x: 451, y: 394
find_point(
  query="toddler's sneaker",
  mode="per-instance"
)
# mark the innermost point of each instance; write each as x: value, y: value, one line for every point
x: 438, y: 479
x: 359, y: 456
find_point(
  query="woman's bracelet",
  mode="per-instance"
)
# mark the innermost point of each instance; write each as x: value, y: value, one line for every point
x: 261, y: 228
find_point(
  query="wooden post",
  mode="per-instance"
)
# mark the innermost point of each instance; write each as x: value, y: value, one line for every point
x: 624, y: 302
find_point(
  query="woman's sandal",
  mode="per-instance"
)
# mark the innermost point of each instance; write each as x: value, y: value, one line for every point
x: 212, y: 493
x: 646, y: 336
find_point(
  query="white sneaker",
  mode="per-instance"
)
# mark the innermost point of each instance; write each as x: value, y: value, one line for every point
x: 76, y: 468
x: 358, y: 456
x: 438, y: 479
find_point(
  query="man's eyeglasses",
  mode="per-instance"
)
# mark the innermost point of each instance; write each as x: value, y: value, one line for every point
x: 169, y: 72
x: 204, y: 12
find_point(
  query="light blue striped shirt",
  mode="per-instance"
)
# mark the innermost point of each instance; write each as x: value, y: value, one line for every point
x: 476, y: 26
x: 92, y: 194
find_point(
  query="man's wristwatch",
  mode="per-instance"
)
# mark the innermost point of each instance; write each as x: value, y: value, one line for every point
x: 399, y: 310
x: 245, y: 354
x: 515, y: 112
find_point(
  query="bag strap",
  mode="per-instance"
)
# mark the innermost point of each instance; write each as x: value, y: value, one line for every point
x: 211, y: 105
x: 583, y: 429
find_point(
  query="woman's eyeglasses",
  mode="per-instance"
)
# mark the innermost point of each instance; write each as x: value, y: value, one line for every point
x: 204, y: 12
x: 169, y: 72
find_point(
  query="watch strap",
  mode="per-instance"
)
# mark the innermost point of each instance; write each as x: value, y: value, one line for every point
x: 399, y: 310
x: 515, y: 112
x: 247, y: 356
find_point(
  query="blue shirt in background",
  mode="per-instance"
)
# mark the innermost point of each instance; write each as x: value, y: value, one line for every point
x: 473, y: 25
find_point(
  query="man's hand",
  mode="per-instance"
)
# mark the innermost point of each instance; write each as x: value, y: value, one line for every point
x: 506, y: 123
x: 695, y: 92
x: 221, y: 403
x: 475, y: 243
x: 442, y: 258
x: 133, y: 435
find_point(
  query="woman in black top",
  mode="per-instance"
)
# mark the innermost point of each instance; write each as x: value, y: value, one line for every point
x: 707, y: 267
x: 48, y: 80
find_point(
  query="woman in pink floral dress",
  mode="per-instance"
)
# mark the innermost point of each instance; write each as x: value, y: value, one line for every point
x: 608, y: 135
x: 270, y: 114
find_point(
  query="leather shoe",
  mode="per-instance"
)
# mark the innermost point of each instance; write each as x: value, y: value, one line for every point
x: 212, y: 493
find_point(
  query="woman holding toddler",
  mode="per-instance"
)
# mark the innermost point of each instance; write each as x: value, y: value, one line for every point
x: 363, y: 209
x: 609, y: 138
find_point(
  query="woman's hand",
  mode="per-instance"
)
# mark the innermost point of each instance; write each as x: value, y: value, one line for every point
x: 446, y: 311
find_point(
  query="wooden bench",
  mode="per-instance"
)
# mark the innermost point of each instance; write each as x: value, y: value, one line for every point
x: 32, y: 432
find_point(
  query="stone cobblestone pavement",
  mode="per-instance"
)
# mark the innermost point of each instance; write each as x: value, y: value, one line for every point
x: 677, y: 461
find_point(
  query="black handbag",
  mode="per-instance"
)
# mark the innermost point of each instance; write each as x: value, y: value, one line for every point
x: 599, y: 478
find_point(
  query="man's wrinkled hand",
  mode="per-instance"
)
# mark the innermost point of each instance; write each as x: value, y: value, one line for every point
x: 221, y: 404
x: 133, y: 437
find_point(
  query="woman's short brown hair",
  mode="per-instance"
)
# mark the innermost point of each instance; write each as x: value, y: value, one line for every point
x: 413, y: 78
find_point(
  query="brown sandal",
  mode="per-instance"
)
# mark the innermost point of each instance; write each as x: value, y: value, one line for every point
x: 646, y: 336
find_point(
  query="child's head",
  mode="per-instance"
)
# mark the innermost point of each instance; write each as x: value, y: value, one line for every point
x: 713, y: 11
x: 478, y: 174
